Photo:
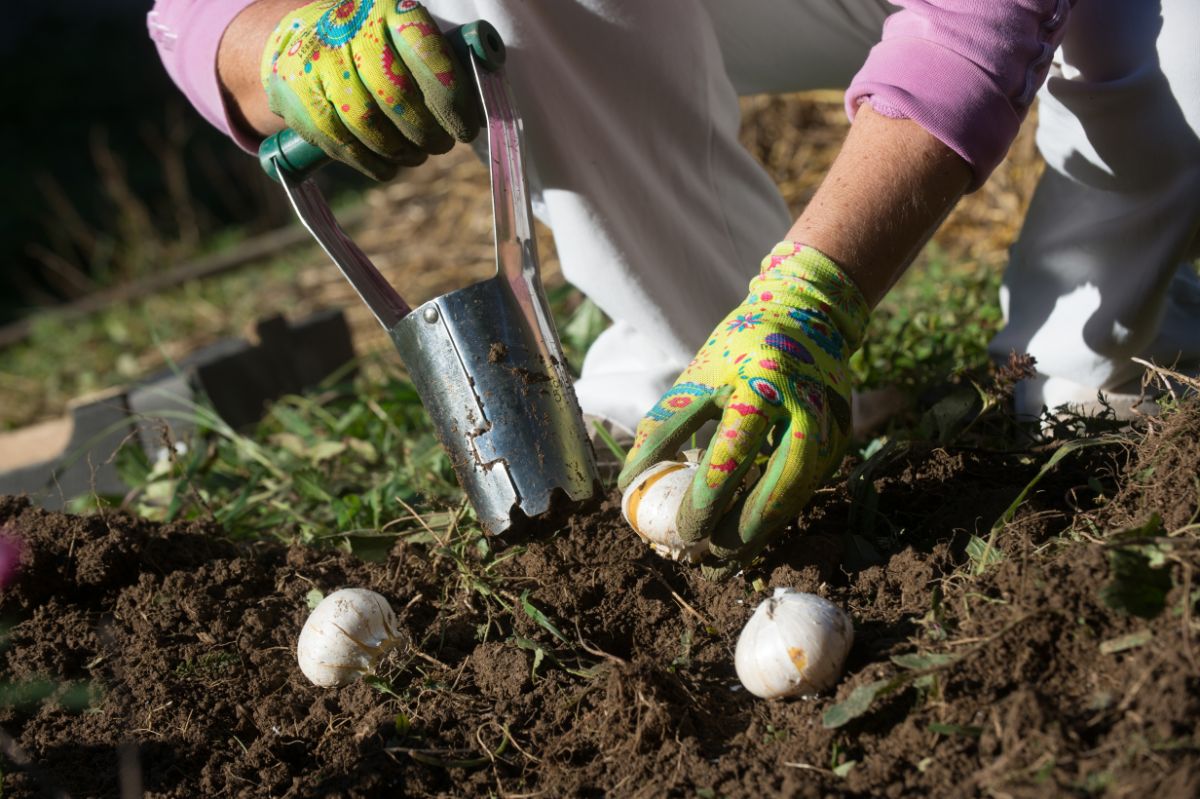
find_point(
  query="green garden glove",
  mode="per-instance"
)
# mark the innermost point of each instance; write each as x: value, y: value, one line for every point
x: 371, y: 82
x: 774, y: 372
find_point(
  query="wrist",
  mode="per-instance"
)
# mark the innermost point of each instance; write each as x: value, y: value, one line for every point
x: 889, y: 188
x: 239, y: 60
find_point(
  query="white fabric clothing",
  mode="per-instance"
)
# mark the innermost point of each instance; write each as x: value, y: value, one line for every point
x: 631, y: 120
x: 661, y: 217
x: 1100, y: 272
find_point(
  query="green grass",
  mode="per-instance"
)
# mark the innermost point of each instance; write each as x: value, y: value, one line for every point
x: 343, y: 465
x: 65, y: 359
x: 346, y: 464
x: 356, y: 462
x: 936, y: 321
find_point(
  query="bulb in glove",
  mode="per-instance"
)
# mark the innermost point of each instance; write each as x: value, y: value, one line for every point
x: 651, y: 502
x: 345, y: 637
x: 794, y: 644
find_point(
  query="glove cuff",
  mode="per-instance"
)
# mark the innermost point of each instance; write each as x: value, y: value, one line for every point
x: 803, y: 275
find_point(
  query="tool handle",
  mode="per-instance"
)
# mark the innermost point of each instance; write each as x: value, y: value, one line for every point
x: 286, y: 150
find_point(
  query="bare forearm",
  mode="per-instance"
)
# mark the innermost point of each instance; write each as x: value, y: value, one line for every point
x: 238, y: 61
x: 887, y: 191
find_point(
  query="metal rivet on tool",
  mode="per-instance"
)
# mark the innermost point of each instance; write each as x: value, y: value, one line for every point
x: 431, y: 314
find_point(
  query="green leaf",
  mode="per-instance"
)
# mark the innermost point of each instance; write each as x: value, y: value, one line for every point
x: 917, y: 661
x: 324, y: 450
x: 1139, y: 576
x: 133, y: 465
x: 982, y: 553
x: 1060, y: 453
x: 1151, y: 528
x: 314, y: 597
x: 381, y: 685
x: 1155, y: 551
x: 308, y: 485
x: 346, y: 510
x: 292, y: 443
x: 1124, y: 642
x: 364, y: 449
x: 950, y: 415
x: 449, y: 763
x: 293, y: 422
x: 843, y: 769
x: 865, y: 500
x: 540, y: 618
x: 982, y: 557
x: 539, y: 653
x: 1135, y: 586
x: 584, y: 327
x: 372, y: 548
x: 860, y: 700
x: 607, y: 439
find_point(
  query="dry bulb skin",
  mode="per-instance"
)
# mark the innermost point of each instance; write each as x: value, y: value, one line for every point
x: 651, y: 502
x: 345, y: 637
x: 795, y: 644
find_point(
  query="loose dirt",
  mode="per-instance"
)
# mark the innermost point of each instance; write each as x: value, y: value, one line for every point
x: 578, y: 663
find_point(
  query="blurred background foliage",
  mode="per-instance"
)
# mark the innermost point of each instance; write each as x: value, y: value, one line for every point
x: 111, y: 173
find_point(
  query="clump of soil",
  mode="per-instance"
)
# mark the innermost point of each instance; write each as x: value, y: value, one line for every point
x: 579, y: 663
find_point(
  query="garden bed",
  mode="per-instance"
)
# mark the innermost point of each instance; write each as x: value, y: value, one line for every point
x: 579, y: 663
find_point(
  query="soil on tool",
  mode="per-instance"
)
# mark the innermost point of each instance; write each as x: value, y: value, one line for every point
x: 611, y: 670
x: 497, y: 352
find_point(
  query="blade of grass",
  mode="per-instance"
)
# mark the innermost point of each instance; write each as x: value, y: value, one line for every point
x: 985, y: 557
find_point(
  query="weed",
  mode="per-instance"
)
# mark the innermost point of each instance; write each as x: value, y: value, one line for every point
x: 684, y: 659
x: 340, y: 467
x: 209, y: 667
x: 936, y: 321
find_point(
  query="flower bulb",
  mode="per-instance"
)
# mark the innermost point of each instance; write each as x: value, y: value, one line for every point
x: 794, y: 644
x: 651, y: 503
x: 345, y: 636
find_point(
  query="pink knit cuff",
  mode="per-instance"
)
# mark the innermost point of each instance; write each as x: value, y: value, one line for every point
x: 187, y: 34
x: 965, y: 70
x: 945, y: 93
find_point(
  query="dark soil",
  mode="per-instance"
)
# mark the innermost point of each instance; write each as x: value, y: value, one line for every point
x: 186, y: 641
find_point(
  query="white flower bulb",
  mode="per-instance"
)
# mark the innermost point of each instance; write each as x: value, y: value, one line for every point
x: 650, y: 505
x: 795, y: 643
x: 345, y: 636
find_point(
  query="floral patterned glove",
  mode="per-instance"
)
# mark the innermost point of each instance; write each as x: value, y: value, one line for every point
x: 371, y: 82
x: 774, y: 372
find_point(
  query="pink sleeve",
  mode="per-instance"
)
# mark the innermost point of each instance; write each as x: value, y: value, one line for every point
x: 965, y: 70
x: 187, y: 34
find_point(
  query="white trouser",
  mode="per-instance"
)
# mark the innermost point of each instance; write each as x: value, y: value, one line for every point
x: 661, y: 217
x: 1099, y: 273
x: 631, y: 120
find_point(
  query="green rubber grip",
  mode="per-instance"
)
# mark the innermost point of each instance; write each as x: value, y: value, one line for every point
x: 286, y: 150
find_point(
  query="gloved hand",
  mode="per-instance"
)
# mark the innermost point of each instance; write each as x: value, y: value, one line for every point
x: 774, y: 372
x: 373, y: 83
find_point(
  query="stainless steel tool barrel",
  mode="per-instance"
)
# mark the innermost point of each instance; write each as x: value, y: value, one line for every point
x: 486, y: 359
